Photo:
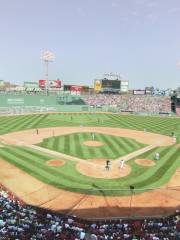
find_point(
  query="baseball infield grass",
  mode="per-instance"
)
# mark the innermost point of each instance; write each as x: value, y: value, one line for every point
x: 67, y: 177
x: 72, y: 144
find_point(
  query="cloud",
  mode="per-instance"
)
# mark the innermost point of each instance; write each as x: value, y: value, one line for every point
x: 80, y: 11
x: 152, y: 4
x: 152, y: 17
x: 173, y: 10
x: 134, y: 13
x: 140, y: 2
x: 115, y: 4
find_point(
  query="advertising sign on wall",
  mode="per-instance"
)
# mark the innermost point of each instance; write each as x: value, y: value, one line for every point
x: 55, y: 83
x: 97, y: 85
x: 51, y: 83
x: 42, y: 83
x: 139, y: 92
x: 76, y: 88
x: 30, y: 84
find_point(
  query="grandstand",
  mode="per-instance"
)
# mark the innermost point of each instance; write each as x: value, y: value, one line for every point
x: 132, y: 103
x: 21, y: 221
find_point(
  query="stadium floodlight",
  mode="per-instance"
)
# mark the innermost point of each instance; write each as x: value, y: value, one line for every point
x: 47, y: 57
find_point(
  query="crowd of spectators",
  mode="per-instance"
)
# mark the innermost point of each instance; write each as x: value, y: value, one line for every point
x: 132, y: 103
x: 19, y: 221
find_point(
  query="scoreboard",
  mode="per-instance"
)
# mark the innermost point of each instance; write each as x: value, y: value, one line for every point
x: 111, y: 84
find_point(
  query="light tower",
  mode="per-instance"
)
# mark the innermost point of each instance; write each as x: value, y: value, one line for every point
x: 47, y: 57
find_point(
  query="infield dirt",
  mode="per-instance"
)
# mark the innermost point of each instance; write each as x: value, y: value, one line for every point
x: 145, y: 162
x: 93, y: 143
x: 31, y: 137
x: 99, y: 170
x: 55, y: 163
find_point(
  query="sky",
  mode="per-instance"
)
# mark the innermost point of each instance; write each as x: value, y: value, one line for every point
x: 138, y: 39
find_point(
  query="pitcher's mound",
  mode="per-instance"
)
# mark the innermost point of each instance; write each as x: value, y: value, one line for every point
x: 99, y: 170
x: 145, y: 162
x: 55, y: 162
x: 93, y: 143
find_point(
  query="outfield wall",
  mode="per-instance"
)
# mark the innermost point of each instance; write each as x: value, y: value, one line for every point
x: 20, y: 104
x: 17, y: 104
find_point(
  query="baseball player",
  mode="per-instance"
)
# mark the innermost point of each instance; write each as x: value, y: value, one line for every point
x: 157, y: 156
x: 174, y: 139
x: 110, y: 164
x: 121, y: 164
x: 93, y: 136
x: 107, y: 164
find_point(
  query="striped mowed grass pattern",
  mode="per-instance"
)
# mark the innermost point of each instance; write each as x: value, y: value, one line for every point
x: 67, y: 177
x: 162, y: 125
x: 72, y: 144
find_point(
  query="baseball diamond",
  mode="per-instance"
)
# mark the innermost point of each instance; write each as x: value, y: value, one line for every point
x: 61, y: 136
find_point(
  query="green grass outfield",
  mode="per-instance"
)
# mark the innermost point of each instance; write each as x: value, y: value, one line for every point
x: 72, y: 144
x: 162, y: 125
x: 67, y: 177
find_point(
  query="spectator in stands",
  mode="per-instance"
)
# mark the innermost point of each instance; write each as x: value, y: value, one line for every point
x: 20, y: 221
x: 132, y: 103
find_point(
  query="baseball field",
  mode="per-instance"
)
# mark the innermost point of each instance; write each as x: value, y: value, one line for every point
x: 58, y: 161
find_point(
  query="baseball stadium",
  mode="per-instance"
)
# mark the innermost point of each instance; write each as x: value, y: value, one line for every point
x: 94, y: 156
x: 90, y: 142
x: 55, y: 153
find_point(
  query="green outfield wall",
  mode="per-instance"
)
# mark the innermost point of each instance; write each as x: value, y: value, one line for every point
x: 11, y: 103
x: 20, y: 100
x: 21, y: 103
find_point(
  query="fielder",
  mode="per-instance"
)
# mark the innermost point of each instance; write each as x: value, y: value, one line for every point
x: 107, y: 165
x: 110, y: 165
x: 174, y: 139
x: 93, y: 136
x: 157, y: 156
x: 121, y: 164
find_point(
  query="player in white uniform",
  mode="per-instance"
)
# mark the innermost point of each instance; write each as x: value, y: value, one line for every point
x: 122, y: 164
x: 93, y: 136
x: 157, y: 156
x: 174, y: 139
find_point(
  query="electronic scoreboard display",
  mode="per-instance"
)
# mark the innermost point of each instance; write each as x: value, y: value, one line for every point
x: 110, y: 84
